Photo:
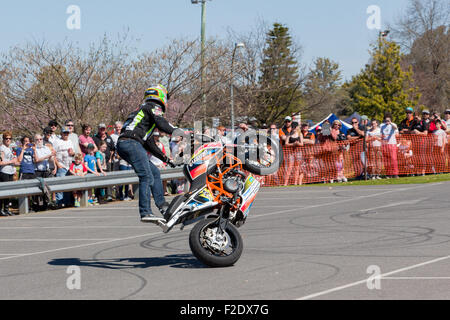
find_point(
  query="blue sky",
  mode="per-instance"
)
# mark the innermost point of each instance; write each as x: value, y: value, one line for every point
x: 324, y: 28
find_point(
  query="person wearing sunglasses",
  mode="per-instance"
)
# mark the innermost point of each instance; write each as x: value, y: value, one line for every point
x: 409, y: 123
x: 70, y: 124
x: 8, y: 161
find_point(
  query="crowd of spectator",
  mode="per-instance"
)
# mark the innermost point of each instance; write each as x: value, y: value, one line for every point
x: 59, y: 151
x: 373, y: 149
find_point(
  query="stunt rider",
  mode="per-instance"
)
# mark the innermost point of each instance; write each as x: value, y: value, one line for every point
x: 134, y: 142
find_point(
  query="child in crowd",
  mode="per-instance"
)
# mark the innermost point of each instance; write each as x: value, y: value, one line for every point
x: 406, y: 156
x: 101, y: 168
x: 91, y: 165
x: 340, y: 168
x: 77, y: 168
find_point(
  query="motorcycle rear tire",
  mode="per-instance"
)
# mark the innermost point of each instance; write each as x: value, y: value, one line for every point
x: 205, y: 255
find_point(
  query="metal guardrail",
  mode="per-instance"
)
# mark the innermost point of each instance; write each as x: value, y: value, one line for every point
x: 23, y: 189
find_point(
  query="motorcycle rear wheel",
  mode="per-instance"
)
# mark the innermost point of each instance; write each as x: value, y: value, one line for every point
x: 206, y: 250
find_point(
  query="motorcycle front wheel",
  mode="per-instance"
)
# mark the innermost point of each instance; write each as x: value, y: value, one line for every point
x: 213, y: 247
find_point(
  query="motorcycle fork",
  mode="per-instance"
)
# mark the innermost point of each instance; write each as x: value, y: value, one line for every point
x: 224, y: 214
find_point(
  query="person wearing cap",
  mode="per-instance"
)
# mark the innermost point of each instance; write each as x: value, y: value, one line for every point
x: 252, y: 123
x: 423, y: 127
x: 64, y: 156
x: 53, y: 125
x: 285, y: 130
x: 308, y: 137
x: 102, y: 135
x: 409, y: 123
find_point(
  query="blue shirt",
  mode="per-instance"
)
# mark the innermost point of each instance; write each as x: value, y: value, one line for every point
x: 27, y: 164
x: 91, y: 162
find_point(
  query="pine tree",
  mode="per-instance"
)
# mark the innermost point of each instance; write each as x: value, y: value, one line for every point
x: 280, y: 93
x: 383, y: 87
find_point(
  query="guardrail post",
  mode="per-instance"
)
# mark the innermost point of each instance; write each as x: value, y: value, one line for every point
x: 136, y: 191
x: 23, y: 205
x: 84, y: 199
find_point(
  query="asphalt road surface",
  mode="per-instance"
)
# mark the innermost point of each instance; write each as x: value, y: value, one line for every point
x: 378, y: 242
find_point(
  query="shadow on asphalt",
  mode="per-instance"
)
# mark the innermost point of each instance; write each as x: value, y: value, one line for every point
x: 174, y: 261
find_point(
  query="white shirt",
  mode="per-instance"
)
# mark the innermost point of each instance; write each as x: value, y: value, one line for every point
x: 388, y: 133
x: 62, y: 155
x: 8, y: 155
x: 40, y: 153
x: 375, y: 133
x: 76, y: 143
x: 441, y: 137
x: 53, y: 138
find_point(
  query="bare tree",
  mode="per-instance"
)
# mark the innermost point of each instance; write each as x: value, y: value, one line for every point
x: 423, y: 32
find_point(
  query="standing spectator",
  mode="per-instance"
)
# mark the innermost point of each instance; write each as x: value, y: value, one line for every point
x: 375, y: 154
x: 389, y: 134
x: 100, y: 157
x: 357, y: 132
x: 8, y: 161
x: 157, y: 162
x: 43, y: 157
x: 340, y: 168
x: 319, y: 136
x: 273, y: 130
x: 53, y: 125
x: 126, y: 191
x: 294, y: 159
x: 176, y: 146
x: 221, y: 135
x: 335, y: 132
x: 115, y: 158
x: 77, y: 168
x: 73, y: 136
x: 409, y: 123
x: 284, y: 131
x: 440, y: 142
x: 405, y: 156
x: 308, y: 137
x: 90, y: 162
x: 64, y: 153
x: 447, y: 120
x: 102, y: 135
x: 86, y: 139
x: 52, y: 161
x: 424, y: 145
x: 26, y: 155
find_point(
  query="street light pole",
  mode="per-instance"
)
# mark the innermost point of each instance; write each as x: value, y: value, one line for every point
x: 236, y: 46
x: 202, y: 53
x: 202, y: 58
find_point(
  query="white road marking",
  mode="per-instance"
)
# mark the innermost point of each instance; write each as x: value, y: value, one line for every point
x: 81, y: 246
x: 364, y: 281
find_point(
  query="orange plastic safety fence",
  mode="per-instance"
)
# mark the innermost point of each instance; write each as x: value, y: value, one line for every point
x: 343, y: 160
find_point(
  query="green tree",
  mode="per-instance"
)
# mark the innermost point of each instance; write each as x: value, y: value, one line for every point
x: 322, y: 90
x: 383, y: 86
x: 279, y: 82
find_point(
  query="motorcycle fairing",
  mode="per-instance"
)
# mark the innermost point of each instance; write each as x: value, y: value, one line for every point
x: 251, y: 188
x: 192, y: 205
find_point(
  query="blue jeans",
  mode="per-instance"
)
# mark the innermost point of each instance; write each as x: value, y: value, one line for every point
x: 60, y: 199
x: 157, y: 189
x: 123, y: 190
x: 134, y: 153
